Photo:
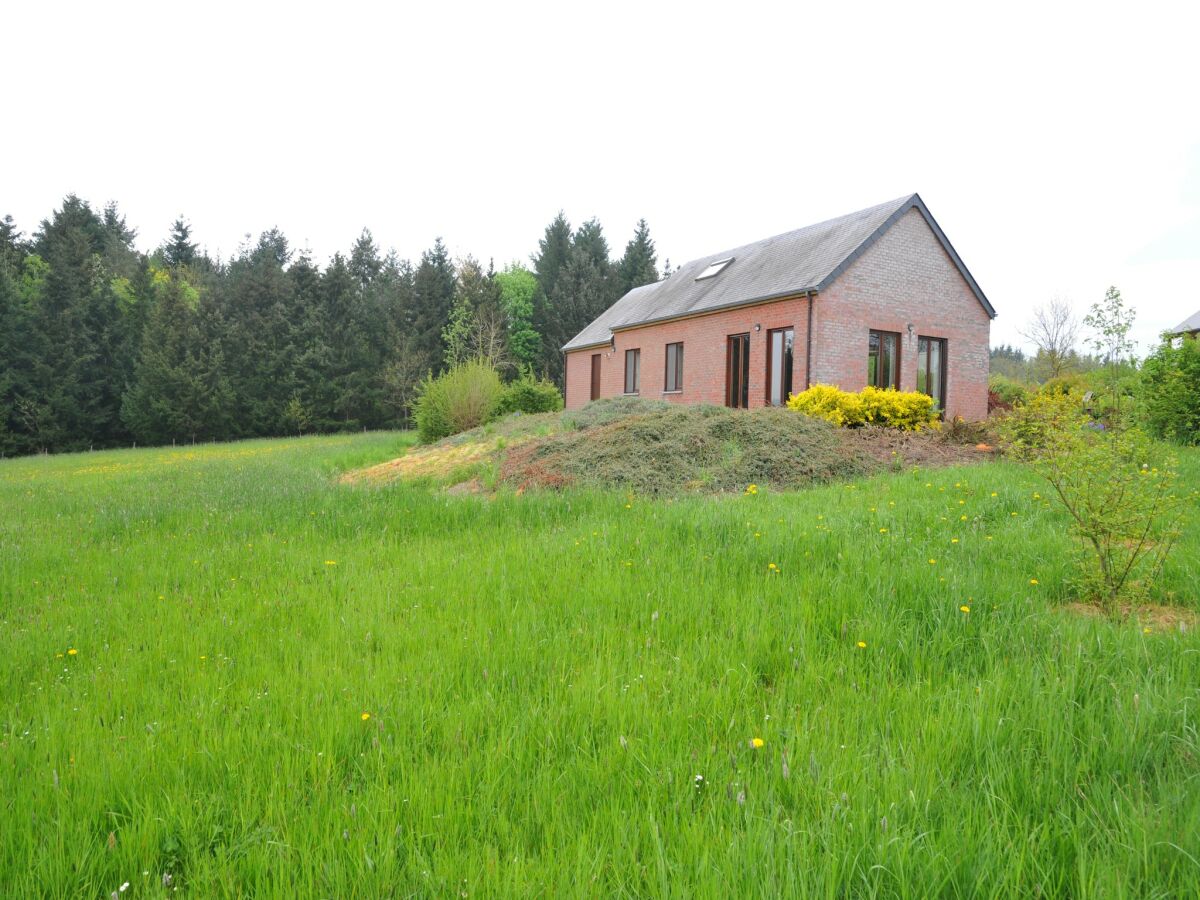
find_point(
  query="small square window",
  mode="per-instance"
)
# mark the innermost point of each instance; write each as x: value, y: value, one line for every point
x: 714, y: 268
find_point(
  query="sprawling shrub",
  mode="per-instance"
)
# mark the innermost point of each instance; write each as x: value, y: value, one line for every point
x: 906, y: 410
x: 462, y: 398
x: 1169, y: 392
x: 1008, y: 391
x: 1118, y: 487
x: 529, y: 394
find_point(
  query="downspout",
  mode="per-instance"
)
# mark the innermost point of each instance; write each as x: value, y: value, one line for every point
x: 808, y: 343
x: 564, y: 359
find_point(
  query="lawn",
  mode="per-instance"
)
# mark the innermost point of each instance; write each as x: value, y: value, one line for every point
x: 225, y: 673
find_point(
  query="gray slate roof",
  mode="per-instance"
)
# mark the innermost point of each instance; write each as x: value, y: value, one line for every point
x: 1189, y: 324
x: 807, y: 259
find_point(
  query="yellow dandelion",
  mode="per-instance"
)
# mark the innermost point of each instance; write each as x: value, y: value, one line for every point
x: 962, y: 518
x: 755, y: 743
x: 964, y: 609
x: 366, y: 716
x: 933, y: 562
x: 72, y: 652
x: 954, y: 540
x: 1033, y: 581
x: 331, y: 562
x: 862, y: 645
x: 883, y: 531
x: 994, y: 494
x: 773, y: 567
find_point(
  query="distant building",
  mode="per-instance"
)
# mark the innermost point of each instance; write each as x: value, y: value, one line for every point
x: 1188, y: 326
x: 875, y: 297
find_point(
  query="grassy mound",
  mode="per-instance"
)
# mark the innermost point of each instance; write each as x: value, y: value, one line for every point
x: 661, y: 448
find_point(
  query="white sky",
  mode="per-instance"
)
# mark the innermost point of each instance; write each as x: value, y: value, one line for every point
x: 1057, y: 144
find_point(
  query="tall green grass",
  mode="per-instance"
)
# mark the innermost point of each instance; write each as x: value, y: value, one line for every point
x: 545, y: 676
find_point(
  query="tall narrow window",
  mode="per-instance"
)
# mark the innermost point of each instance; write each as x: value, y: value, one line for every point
x: 883, y: 359
x: 674, y: 377
x: 737, y: 371
x: 779, y: 365
x: 595, y: 376
x: 633, y: 370
x: 931, y: 369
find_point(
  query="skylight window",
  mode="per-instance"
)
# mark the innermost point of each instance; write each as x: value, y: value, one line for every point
x: 714, y: 268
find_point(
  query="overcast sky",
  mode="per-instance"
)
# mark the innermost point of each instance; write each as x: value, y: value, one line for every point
x: 1057, y: 145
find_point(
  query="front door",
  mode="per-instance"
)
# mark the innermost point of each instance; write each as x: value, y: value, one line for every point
x: 595, y: 376
x: 737, y: 371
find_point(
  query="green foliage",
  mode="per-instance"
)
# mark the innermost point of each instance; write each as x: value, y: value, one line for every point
x: 1118, y: 488
x: 1007, y: 390
x: 296, y: 415
x: 639, y: 264
x: 905, y: 410
x: 462, y: 397
x: 1170, y: 391
x: 529, y: 394
x: 518, y: 289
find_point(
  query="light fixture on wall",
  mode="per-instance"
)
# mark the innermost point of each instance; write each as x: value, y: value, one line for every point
x: 757, y: 327
x: 910, y: 330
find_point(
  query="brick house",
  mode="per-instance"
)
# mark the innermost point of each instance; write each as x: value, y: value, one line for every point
x: 1189, y: 326
x: 875, y: 297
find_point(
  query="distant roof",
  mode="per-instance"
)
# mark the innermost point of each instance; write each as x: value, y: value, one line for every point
x: 1190, y: 324
x: 807, y: 259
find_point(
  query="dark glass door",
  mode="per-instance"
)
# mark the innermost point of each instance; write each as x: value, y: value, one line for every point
x: 737, y: 371
x: 595, y: 376
x: 931, y: 369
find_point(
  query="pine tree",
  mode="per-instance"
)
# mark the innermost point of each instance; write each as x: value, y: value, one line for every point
x: 180, y: 391
x: 638, y: 266
x: 179, y: 249
x: 432, y: 299
x: 365, y: 264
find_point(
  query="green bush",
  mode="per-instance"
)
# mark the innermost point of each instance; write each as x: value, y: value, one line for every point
x: 462, y: 398
x: 1065, y: 384
x: 1169, y: 392
x: 1008, y: 391
x: 529, y: 394
x: 1118, y: 488
x: 905, y: 410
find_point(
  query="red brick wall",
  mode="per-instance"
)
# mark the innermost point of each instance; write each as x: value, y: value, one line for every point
x: 704, y: 343
x: 905, y: 277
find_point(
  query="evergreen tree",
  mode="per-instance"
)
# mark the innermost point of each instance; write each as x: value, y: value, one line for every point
x: 639, y: 265
x: 180, y: 391
x: 179, y: 250
x: 365, y: 264
x: 432, y: 299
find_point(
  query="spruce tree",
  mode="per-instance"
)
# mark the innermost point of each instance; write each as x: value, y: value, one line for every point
x: 638, y: 266
x: 432, y: 299
x: 179, y: 249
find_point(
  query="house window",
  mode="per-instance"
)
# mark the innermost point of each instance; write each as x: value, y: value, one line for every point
x: 883, y: 359
x: 674, y: 377
x: 779, y: 365
x: 595, y: 376
x: 633, y: 370
x: 931, y: 369
x: 737, y: 370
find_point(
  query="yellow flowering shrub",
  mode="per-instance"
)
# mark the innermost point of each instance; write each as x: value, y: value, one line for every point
x: 906, y: 410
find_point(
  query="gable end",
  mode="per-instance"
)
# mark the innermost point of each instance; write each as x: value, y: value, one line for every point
x: 915, y: 202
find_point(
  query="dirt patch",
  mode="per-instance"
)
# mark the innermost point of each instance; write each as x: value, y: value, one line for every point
x: 919, y: 448
x: 1152, y: 616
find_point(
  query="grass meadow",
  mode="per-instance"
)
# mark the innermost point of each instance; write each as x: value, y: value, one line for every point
x: 224, y: 674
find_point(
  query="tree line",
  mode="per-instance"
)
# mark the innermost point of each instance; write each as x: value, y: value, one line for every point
x: 102, y: 345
